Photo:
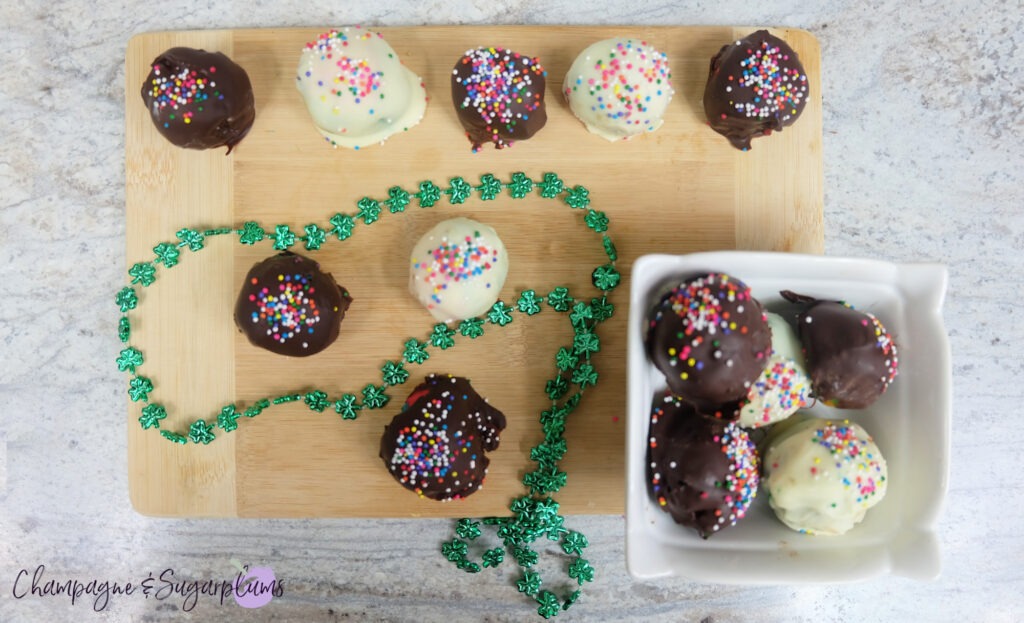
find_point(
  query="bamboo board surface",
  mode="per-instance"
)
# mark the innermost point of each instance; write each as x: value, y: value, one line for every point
x: 681, y: 189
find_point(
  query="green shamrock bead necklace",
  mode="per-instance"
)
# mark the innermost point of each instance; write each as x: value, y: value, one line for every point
x: 535, y: 514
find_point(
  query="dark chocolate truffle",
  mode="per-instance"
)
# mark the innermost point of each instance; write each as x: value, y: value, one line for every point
x: 702, y: 471
x: 288, y: 306
x: 199, y: 99
x: 755, y: 85
x: 711, y: 340
x: 499, y: 96
x: 851, y: 358
x: 435, y: 446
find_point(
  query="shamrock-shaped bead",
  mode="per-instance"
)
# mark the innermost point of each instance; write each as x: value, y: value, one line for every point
x: 415, y: 352
x: 129, y: 359
x: 347, y: 407
x: 316, y: 401
x: 394, y: 373
x: 551, y: 186
x: 342, y: 226
x: 489, y: 187
x: 151, y: 416
x: 200, y: 432
x: 369, y: 210
x: 227, y: 420
x: 428, y: 195
x: 139, y: 388
x: 459, y: 190
x: 284, y: 238
x: 520, y: 185
x: 251, y: 233
x: 530, y: 582
x: 190, y: 238
x: 397, y: 199
x: 581, y: 571
x: 166, y: 254
x: 315, y: 237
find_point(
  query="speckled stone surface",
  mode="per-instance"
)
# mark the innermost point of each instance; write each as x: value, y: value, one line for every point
x: 924, y: 118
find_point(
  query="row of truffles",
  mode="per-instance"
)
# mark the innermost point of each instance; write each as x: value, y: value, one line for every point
x: 359, y: 93
x: 730, y: 367
x: 435, y: 446
x: 289, y: 306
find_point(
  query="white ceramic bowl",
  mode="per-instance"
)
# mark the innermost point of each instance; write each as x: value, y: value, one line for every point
x: 910, y: 423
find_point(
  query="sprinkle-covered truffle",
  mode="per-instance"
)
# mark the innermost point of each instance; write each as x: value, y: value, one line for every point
x: 357, y: 90
x: 436, y: 446
x: 783, y: 387
x: 619, y: 88
x: 851, y: 357
x: 822, y: 477
x: 755, y: 86
x: 710, y: 338
x: 702, y: 471
x: 199, y: 99
x: 499, y: 96
x: 288, y: 306
x: 457, y: 269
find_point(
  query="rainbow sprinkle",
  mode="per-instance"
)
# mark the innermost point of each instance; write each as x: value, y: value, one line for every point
x: 178, y: 90
x: 886, y: 344
x: 501, y: 89
x: 780, y: 390
x: 778, y: 90
x: 742, y: 478
x: 454, y: 262
x: 701, y: 304
x: 354, y: 76
x: 858, y: 466
x: 620, y: 81
x: 287, y: 307
x: 427, y: 450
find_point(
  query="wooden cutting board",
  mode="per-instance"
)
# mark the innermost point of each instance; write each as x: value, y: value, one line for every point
x: 679, y: 190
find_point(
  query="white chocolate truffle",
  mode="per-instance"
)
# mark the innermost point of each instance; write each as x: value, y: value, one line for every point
x: 783, y: 387
x: 457, y: 269
x: 784, y: 339
x: 357, y: 90
x: 619, y: 88
x: 822, y: 476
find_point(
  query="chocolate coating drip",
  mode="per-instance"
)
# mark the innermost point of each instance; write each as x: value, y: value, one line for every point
x: 702, y: 471
x: 288, y: 306
x: 711, y: 340
x: 851, y: 358
x: 755, y: 86
x: 436, y: 445
x: 199, y: 99
x: 499, y: 96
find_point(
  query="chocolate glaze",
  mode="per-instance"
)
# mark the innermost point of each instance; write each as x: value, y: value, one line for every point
x: 851, y: 358
x: 711, y: 340
x: 702, y: 471
x: 499, y: 96
x: 755, y: 85
x: 213, y: 105
x: 288, y: 306
x: 436, y: 445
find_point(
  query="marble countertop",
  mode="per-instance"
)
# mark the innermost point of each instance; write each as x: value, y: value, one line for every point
x: 923, y: 122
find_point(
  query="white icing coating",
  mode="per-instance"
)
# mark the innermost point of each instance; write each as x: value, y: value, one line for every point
x: 619, y: 88
x: 822, y: 477
x: 357, y: 90
x: 783, y: 387
x: 784, y: 339
x: 457, y: 269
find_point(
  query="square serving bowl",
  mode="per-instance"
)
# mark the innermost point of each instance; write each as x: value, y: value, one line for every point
x: 910, y: 423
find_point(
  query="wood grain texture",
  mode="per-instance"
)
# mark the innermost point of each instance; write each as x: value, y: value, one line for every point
x: 679, y: 190
x: 187, y: 338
